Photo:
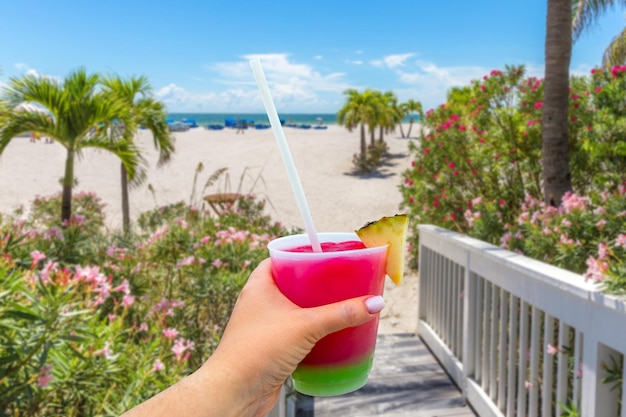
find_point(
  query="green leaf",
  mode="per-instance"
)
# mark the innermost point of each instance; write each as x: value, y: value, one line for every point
x: 20, y: 314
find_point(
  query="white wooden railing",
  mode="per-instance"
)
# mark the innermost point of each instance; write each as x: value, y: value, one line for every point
x: 519, y: 337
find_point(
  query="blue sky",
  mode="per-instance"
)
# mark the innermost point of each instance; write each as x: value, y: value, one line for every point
x: 196, y: 53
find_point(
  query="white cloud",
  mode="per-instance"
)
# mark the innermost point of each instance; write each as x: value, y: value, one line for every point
x: 426, y: 82
x: 429, y: 83
x: 295, y: 87
x: 26, y: 69
x: 393, y: 61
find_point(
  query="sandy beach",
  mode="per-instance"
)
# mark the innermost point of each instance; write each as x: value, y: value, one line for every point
x: 338, y: 199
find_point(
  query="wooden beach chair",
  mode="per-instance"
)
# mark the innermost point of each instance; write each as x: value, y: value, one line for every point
x: 222, y: 203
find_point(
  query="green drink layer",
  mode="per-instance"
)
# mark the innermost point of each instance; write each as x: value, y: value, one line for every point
x: 333, y: 379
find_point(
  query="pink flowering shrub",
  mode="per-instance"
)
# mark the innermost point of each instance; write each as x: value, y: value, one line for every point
x: 71, y: 241
x: 477, y: 170
x: 99, y: 327
x: 585, y: 235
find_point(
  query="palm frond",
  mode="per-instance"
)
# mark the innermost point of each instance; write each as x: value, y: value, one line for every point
x: 128, y: 153
x: 615, y: 53
x: 19, y: 122
x: 586, y: 12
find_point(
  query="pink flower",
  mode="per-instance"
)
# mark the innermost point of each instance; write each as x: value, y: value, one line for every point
x: 538, y: 105
x: 572, y: 202
x: 123, y: 287
x: 186, y: 261
x: 106, y: 351
x: 48, y: 269
x: 182, y: 345
x: 170, y: 333
x: 37, y: 256
x: 504, y: 240
x: 128, y: 300
x: 427, y: 150
x: 552, y: 350
x: 143, y: 327
x: 603, y: 250
x: 157, y: 365
x: 596, y: 269
x: 217, y: 263
x: 523, y: 218
x: 565, y: 240
x: 600, y: 224
x: 45, y: 376
x: 621, y: 240
x: 528, y: 384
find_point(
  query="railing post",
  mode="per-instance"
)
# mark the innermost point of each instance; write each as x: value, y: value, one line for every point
x: 424, y: 285
x: 605, y: 401
x: 279, y: 408
x: 469, y: 307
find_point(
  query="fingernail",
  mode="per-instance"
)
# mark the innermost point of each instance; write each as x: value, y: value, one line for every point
x: 375, y: 304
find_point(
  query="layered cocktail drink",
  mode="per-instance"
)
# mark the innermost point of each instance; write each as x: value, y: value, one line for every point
x: 340, y: 362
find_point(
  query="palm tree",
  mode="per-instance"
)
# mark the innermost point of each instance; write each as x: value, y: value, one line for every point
x: 585, y: 12
x: 412, y: 108
x: 359, y: 110
x: 145, y: 111
x: 73, y: 111
x: 401, y: 109
x: 389, y: 113
x: 558, y: 52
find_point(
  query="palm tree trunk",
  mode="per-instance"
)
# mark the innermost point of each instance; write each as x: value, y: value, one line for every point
x: 68, y: 182
x: 401, y: 130
x: 408, y: 135
x: 558, y: 51
x: 372, y: 136
x: 125, y: 204
x: 363, y: 143
x: 380, y: 134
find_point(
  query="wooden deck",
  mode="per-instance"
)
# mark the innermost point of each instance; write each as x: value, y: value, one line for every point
x: 406, y: 380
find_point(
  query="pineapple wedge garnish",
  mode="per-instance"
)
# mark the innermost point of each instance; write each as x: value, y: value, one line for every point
x: 390, y: 231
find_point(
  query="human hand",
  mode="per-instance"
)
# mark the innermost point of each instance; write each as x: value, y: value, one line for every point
x: 268, y: 335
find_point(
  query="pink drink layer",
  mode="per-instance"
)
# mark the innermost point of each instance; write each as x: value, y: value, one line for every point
x: 331, y: 246
x: 313, y: 282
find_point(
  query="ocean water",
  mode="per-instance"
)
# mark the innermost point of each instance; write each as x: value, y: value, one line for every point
x: 204, y: 119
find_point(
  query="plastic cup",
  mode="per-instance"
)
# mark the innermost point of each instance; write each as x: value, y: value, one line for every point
x: 339, y: 363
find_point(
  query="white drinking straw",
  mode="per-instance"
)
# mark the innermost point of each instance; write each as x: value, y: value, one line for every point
x: 292, y: 173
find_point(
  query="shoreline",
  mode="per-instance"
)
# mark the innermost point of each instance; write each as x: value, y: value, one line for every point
x: 323, y: 159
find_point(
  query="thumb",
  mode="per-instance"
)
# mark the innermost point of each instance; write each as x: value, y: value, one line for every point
x: 331, y: 318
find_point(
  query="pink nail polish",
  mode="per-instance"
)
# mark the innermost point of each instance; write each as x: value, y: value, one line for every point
x: 375, y: 304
